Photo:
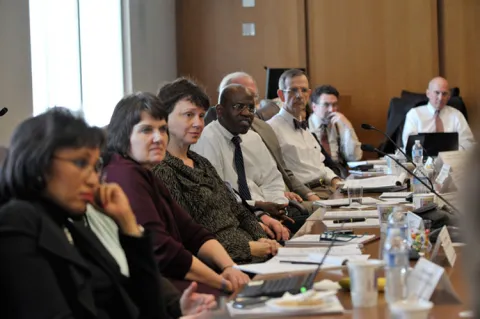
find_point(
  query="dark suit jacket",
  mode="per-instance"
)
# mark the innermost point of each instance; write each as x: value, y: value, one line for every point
x: 270, y: 139
x: 42, y: 275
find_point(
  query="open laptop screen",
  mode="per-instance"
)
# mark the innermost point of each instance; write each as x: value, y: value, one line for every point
x: 433, y: 143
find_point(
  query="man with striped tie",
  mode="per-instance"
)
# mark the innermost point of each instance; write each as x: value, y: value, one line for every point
x: 437, y: 116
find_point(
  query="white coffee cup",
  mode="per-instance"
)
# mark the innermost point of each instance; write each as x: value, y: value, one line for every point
x: 411, y: 309
x: 363, y: 282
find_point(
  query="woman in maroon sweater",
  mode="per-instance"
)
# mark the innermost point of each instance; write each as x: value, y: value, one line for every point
x: 137, y: 140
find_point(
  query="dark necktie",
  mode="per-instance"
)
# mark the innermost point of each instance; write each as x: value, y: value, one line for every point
x: 240, y: 166
x: 324, y: 138
x: 300, y: 125
x: 438, y: 122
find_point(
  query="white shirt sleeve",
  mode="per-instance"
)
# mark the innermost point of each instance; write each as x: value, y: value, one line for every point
x: 350, y: 145
x: 465, y: 136
x: 410, y: 127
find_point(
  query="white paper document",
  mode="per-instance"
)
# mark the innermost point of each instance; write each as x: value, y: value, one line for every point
x: 369, y: 222
x: 275, y: 267
x: 376, y: 182
x: 345, y: 250
x: 311, y: 239
x: 423, y: 279
x: 340, y: 214
x: 398, y: 195
x: 344, y: 201
x: 332, y: 306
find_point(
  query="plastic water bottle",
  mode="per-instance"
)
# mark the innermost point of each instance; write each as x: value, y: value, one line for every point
x: 396, y: 257
x: 417, y: 153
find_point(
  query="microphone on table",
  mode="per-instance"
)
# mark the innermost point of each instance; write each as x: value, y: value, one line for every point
x: 369, y: 127
x: 3, y: 111
x: 370, y: 148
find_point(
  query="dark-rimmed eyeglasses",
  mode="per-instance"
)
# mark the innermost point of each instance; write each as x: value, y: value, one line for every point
x: 297, y: 91
x: 239, y: 107
x: 84, y: 164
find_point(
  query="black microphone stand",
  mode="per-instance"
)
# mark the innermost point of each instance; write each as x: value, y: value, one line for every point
x: 430, y: 188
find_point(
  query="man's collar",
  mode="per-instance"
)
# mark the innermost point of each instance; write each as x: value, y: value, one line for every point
x: 226, y: 133
x: 433, y: 109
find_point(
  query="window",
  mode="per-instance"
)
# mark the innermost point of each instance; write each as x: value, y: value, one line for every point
x: 77, y: 59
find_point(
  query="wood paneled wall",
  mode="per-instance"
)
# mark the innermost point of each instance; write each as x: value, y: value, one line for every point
x: 369, y: 49
x: 210, y: 42
x: 461, y: 52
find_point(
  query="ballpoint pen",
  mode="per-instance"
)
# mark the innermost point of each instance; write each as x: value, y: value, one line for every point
x: 349, y: 220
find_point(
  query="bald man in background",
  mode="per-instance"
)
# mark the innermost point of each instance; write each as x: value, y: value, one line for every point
x: 437, y: 116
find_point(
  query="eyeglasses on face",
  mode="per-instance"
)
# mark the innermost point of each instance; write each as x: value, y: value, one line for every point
x: 83, y: 164
x: 239, y: 107
x: 297, y: 91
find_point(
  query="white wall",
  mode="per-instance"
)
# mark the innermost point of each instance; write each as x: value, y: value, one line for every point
x: 15, y: 66
x: 152, y: 54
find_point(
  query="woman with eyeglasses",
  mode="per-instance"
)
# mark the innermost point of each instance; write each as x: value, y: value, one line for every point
x: 51, y: 263
x: 184, y: 250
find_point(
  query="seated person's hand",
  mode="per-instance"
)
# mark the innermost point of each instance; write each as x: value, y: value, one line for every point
x: 273, y: 244
x: 192, y: 303
x: 339, y: 118
x: 277, y: 211
x: 293, y: 196
x: 260, y: 249
x: 267, y: 230
x: 201, y: 315
x: 336, y: 182
x: 313, y: 197
x: 236, y: 277
x: 281, y: 232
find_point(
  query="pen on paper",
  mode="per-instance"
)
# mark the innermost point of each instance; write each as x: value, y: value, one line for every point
x: 349, y: 220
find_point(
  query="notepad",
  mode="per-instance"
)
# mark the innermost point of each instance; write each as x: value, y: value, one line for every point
x: 342, y: 214
x: 387, y: 181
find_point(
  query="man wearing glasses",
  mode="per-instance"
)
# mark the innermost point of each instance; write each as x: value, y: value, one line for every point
x: 437, y: 116
x: 332, y: 128
x: 300, y: 150
x: 242, y: 159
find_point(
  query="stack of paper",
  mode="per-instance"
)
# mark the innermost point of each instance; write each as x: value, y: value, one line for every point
x: 397, y: 195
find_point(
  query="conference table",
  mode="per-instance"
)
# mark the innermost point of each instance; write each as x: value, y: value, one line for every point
x: 456, y: 275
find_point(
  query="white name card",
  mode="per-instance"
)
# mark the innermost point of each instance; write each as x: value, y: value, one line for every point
x: 445, y: 242
x: 423, y: 279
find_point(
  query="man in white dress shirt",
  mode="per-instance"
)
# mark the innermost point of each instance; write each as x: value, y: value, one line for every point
x: 437, y: 116
x: 300, y: 149
x: 254, y: 174
x: 332, y: 128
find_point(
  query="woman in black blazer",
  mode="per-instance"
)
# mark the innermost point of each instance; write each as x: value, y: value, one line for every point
x: 51, y: 263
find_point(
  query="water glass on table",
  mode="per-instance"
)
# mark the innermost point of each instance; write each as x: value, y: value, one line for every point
x: 355, y: 194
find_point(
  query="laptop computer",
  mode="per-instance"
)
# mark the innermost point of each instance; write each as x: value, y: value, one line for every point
x: 433, y: 143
